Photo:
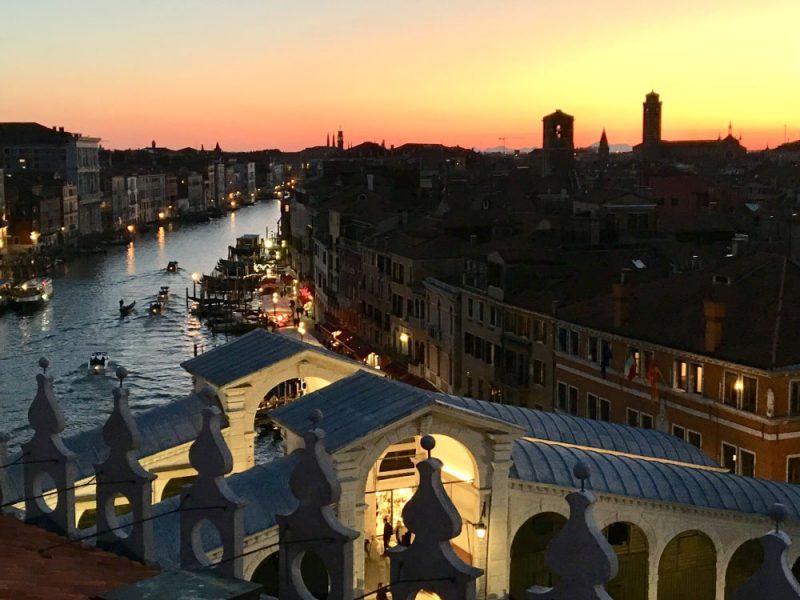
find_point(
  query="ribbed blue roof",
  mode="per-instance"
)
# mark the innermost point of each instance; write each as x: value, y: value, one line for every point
x: 243, y: 356
x: 161, y: 428
x: 355, y: 406
x: 265, y: 489
x: 569, y: 429
x: 614, y: 474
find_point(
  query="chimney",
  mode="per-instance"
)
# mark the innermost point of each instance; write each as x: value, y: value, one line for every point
x: 621, y: 293
x: 714, y: 313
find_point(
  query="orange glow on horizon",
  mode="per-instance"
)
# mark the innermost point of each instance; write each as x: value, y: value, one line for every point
x: 269, y: 76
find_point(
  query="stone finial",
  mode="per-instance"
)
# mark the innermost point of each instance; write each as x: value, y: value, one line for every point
x: 4, y: 487
x: 121, y: 475
x: 774, y: 578
x: 580, y: 554
x: 48, y: 464
x: 210, y: 499
x: 430, y: 563
x: 313, y: 526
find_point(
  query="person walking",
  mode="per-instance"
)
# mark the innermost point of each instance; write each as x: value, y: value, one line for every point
x: 387, y: 533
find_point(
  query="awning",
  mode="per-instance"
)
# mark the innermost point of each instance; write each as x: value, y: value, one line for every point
x: 347, y: 339
x: 398, y: 372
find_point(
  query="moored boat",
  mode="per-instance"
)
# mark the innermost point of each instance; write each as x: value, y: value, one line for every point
x: 34, y: 291
x: 163, y: 293
x: 172, y: 266
x: 155, y: 308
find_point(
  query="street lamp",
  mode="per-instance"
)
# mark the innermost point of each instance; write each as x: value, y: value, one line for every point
x: 274, y: 304
x: 195, y: 278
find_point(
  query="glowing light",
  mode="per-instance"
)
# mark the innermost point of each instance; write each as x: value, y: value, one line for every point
x: 162, y: 215
x: 739, y: 385
x: 301, y: 328
x: 35, y: 236
x: 196, y: 276
x: 131, y: 228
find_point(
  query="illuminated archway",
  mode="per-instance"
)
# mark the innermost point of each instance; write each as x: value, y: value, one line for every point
x: 743, y: 565
x: 630, y: 545
x: 391, y: 482
x: 528, y: 566
x: 688, y: 568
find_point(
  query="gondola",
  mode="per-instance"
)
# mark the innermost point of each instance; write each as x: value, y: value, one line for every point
x: 126, y: 309
x: 155, y: 307
x: 163, y: 293
x: 98, y: 362
x: 172, y: 266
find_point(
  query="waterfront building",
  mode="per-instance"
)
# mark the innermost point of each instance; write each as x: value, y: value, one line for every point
x: 708, y: 356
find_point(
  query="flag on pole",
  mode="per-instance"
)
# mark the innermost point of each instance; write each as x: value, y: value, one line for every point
x: 630, y: 367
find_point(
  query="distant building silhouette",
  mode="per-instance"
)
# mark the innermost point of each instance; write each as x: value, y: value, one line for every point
x: 603, y: 149
x: 340, y: 139
x: 653, y: 148
x: 558, y: 148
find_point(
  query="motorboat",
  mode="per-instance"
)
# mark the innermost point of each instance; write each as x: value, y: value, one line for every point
x: 194, y: 308
x: 98, y: 362
x: 172, y: 266
x: 163, y: 293
x: 34, y: 291
x: 126, y: 309
x: 156, y: 307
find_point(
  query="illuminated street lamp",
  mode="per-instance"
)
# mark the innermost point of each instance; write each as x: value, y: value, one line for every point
x: 274, y: 304
x: 195, y: 278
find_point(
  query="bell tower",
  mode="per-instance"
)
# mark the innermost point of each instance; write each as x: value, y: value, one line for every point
x: 651, y: 120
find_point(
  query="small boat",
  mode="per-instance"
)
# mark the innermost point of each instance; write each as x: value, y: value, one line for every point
x: 194, y: 308
x: 34, y: 291
x: 163, y: 293
x: 155, y: 308
x: 5, y: 294
x: 172, y: 266
x: 126, y: 309
x: 98, y: 362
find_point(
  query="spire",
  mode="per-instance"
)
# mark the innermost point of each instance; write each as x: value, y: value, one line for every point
x: 730, y: 129
x: 327, y: 140
x: 603, y: 149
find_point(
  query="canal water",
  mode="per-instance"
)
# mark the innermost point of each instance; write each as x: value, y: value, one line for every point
x: 83, y: 317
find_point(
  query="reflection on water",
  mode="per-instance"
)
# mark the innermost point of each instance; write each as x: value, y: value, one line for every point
x: 83, y: 317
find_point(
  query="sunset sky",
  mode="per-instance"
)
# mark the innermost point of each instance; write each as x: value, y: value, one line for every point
x: 269, y: 73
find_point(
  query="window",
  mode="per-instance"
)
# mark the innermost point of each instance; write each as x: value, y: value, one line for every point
x: 562, y: 339
x: 591, y: 348
x: 597, y: 408
x: 637, y: 361
x: 679, y: 432
x: 539, y: 331
x: 681, y: 376
x: 747, y: 463
x: 468, y: 343
x: 538, y: 372
x: 574, y: 347
x: 728, y: 457
x: 696, y: 378
x: 469, y: 308
x: 492, y: 316
x: 567, y: 398
x: 694, y: 438
x: 632, y: 417
x: 480, y: 312
x: 793, y: 469
x: 739, y: 391
x: 646, y: 421
x: 480, y: 388
x: 469, y: 386
x: 477, y: 350
x: 573, y: 400
x: 794, y: 398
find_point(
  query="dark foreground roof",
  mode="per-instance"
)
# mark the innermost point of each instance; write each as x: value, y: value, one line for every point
x: 664, y: 482
x: 357, y: 405
x: 252, y: 352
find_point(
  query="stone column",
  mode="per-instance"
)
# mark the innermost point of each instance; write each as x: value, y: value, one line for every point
x: 351, y: 513
x: 240, y: 434
x: 496, y: 544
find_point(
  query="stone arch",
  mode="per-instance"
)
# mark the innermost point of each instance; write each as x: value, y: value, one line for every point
x: 527, y: 555
x: 173, y: 486
x: 630, y: 542
x: 687, y: 568
x: 267, y: 573
x: 744, y: 562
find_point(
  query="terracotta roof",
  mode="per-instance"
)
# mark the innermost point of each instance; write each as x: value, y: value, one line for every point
x: 69, y: 572
x: 760, y: 328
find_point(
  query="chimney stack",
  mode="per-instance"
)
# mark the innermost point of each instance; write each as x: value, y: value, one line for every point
x: 714, y: 313
x: 621, y: 293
